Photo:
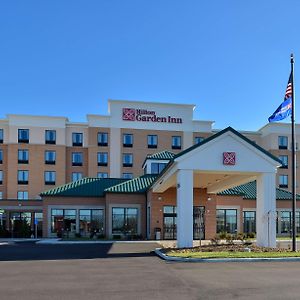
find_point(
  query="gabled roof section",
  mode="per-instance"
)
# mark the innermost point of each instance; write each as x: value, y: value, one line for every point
x: 85, y: 187
x: 248, y: 191
x: 137, y: 185
x: 162, y: 155
x: 228, y: 129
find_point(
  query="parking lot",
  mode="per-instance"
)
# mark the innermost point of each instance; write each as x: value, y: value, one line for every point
x: 131, y: 271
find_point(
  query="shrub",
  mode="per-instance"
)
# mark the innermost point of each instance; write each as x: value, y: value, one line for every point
x: 116, y: 236
x: 229, y: 238
x: 241, y: 236
x: 222, y: 235
x: 78, y: 235
x: 216, y: 240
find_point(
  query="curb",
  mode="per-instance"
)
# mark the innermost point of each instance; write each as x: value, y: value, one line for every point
x: 215, y: 260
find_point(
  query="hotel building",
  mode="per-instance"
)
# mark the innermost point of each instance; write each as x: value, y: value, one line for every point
x: 103, y: 174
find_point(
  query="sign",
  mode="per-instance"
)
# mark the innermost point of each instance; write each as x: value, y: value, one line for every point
x: 144, y: 115
x: 229, y: 158
x: 36, y: 221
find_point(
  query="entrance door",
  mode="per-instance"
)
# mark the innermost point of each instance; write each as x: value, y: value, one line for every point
x: 199, y: 222
x: 170, y: 229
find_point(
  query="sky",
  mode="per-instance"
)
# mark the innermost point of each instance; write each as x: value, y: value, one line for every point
x: 230, y: 58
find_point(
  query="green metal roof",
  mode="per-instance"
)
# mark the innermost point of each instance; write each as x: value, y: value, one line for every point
x: 164, y: 155
x: 136, y: 185
x: 85, y: 187
x: 248, y: 191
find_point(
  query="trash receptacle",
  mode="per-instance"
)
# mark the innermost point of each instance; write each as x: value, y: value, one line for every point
x: 157, y: 233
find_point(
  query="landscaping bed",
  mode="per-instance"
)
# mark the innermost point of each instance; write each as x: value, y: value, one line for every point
x: 230, y: 251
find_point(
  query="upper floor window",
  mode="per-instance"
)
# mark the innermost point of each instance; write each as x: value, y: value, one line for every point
x: 1, y: 136
x: 50, y: 157
x: 77, y: 139
x: 102, y: 175
x: 127, y: 175
x: 1, y: 177
x: 282, y: 142
x: 152, y: 141
x: 50, y: 177
x: 127, y: 140
x: 23, y: 156
x: 156, y: 168
x: 1, y: 156
x: 102, y: 138
x: 283, y: 181
x: 127, y: 159
x: 284, y: 161
x: 23, y: 135
x: 176, y: 142
x: 76, y: 176
x: 77, y: 159
x: 50, y: 137
x: 23, y: 177
x: 199, y: 139
x: 22, y: 195
x: 102, y: 158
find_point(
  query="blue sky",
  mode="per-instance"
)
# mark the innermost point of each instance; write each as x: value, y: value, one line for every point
x: 230, y: 58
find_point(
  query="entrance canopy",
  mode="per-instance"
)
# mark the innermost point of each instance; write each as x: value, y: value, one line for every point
x: 225, y: 160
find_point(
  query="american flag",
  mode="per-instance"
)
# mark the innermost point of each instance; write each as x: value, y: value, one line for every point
x: 289, y: 89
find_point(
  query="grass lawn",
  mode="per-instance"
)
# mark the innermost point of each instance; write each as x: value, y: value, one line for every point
x: 230, y: 254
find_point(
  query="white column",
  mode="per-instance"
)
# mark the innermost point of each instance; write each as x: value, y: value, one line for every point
x: 184, y: 208
x: 266, y: 210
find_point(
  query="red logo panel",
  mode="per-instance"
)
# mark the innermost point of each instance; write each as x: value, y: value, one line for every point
x: 128, y: 114
x: 229, y: 158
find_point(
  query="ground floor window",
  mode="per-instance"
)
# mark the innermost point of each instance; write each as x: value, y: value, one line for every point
x: 284, y: 222
x: 249, y: 221
x: 63, y: 221
x: 91, y: 222
x: 124, y: 220
x: 21, y: 224
x: 227, y: 220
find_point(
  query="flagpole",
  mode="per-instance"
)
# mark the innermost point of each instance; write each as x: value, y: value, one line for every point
x: 294, y: 229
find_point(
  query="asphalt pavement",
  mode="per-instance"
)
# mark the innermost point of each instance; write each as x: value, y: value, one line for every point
x: 131, y: 271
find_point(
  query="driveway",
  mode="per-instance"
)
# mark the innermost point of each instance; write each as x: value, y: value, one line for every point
x: 130, y: 271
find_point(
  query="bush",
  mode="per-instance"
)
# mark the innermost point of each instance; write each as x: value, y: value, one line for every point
x: 241, y: 236
x: 216, y: 240
x: 117, y: 237
x: 78, y: 235
x: 222, y: 235
x: 229, y: 238
x: 251, y: 235
x: 100, y: 236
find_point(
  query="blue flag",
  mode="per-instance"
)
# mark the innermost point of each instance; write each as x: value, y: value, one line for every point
x: 285, y: 108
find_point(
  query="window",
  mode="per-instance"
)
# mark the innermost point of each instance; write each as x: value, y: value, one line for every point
x: 285, y: 222
x: 102, y: 175
x: 127, y: 140
x: 22, y: 195
x: 1, y: 156
x: 1, y: 136
x: 76, y: 176
x: 50, y: 157
x: 23, y: 156
x: 127, y: 160
x: 227, y: 220
x: 1, y: 177
x: 199, y: 139
x: 124, y: 220
x: 77, y: 139
x: 283, y: 181
x: 63, y: 221
x: 77, y: 159
x: 249, y: 221
x: 284, y: 160
x: 127, y: 175
x: 156, y: 168
x: 50, y: 137
x: 1, y: 195
x: 102, y: 138
x: 23, y: 135
x: 282, y: 142
x: 91, y: 221
x: 23, y: 177
x: 152, y: 141
x: 176, y: 142
x: 50, y: 177
x: 102, y: 158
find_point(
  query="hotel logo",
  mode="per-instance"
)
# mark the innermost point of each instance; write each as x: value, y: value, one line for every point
x: 144, y: 115
x: 229, y: 158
